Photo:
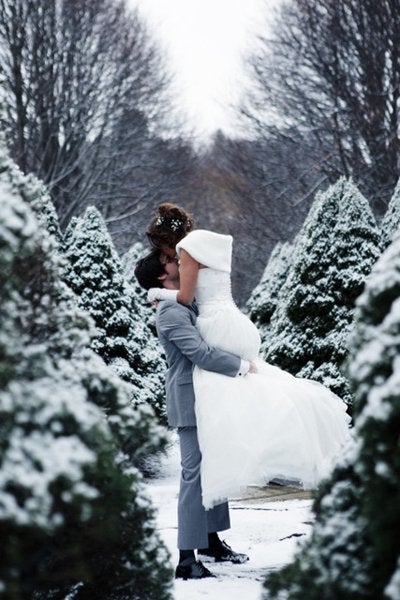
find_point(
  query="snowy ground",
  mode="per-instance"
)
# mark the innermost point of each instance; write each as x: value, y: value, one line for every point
x: 267, y: 530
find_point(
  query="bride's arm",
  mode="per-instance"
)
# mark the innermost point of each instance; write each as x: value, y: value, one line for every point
x: 188, y: 272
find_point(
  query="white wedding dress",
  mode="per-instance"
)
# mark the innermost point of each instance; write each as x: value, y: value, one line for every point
x: 262, y: 426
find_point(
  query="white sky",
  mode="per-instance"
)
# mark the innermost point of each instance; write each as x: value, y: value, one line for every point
x: 205, y: 41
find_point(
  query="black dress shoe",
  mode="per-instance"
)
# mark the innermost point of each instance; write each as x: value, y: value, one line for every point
x: 192, y: 570
x: 223, y: 553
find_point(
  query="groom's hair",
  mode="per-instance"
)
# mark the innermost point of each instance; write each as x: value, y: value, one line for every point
x: 148, y: 270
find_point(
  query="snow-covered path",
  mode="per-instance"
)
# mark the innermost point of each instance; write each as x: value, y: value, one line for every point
x: 267, y: 530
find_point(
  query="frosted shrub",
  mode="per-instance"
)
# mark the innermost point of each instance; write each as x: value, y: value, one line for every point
x: 264, y: 297
x: 391, y: 221
x: 129, y: 260
x: 70, y: 515
x: 123, y: 339
x: 353, y: 552
x: 142, y: 309
x: 267, y: 294
x: 375, y: 374
x: 134, y: 427
x: 334, y: 254
x: 32, y: 191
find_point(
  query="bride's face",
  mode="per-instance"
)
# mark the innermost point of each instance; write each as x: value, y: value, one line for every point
x: 171, y: 252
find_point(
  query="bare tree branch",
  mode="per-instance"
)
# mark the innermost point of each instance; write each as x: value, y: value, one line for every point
x: 329, y: 79
x: 80, y: 83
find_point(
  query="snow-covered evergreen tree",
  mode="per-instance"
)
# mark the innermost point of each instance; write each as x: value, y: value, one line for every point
x: 334, y: 253
x: 144, y: 311
x: 264, y: 298
x: 32, y: 191
x: 375, y: 375
x: 391, y: 221
x: 130, y: 258
x: 124, y: 340
x: 68, y: 511
x: 68, y: 232
x: 266, y: 295
x: 354, y: 552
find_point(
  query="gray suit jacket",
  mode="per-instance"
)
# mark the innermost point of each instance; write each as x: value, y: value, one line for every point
x: 184, y: 348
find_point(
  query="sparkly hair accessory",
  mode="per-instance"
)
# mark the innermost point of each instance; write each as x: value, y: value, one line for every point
x: 174, y: 224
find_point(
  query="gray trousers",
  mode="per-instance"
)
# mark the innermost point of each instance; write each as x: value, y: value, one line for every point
x: 194, y: 522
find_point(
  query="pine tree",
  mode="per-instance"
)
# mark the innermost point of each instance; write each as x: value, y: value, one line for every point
x: 69, y: 513
x: 144, y: 312
x: 68, y: 232
x: 375, y: 375
x: 129, y: 260
x: 391, y: 221
x: 354, y: 552
x: 124, y: 340
x: 335, y: 251
x: 32, y: 191
x: 266, y: 295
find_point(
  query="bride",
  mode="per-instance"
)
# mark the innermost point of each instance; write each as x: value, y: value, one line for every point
x: 263, y: 426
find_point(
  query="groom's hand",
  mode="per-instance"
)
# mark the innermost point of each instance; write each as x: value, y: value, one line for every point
x: 253, y: 367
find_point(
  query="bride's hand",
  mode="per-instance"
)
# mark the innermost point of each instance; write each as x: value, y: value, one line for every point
x: 153, y: 294
x: 161, y: 294
x: 253, y: 367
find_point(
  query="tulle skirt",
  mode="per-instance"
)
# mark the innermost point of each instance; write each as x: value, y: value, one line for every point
x: 262, y: 426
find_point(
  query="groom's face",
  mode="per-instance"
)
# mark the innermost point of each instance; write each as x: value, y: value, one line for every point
x: 170, y: 279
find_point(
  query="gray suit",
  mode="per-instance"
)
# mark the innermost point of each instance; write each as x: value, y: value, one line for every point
x: 184, y: 348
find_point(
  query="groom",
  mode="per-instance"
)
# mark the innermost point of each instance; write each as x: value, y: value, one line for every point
x: 184, y: 347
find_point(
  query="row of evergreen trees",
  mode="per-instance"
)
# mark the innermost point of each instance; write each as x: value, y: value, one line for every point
x: 74, y: 517
x: 314, y: 286
x: 81, y: 374
x: 305, y: 301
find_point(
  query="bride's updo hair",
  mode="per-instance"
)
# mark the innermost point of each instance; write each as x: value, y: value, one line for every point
x: 170, y: 224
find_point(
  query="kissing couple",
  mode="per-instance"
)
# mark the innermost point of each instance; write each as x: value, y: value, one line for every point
x: 240, y: 420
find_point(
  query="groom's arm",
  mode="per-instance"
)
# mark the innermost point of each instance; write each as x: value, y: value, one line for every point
x: 175, y: 322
